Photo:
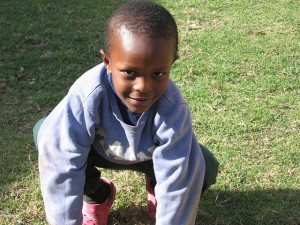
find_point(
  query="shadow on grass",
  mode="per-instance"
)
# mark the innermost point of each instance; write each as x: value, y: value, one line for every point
x: 230, y: 207
x: 130, y: 214
x: 28, y: 95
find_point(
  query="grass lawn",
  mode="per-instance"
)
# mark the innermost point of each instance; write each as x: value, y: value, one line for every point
x: 239, y: 69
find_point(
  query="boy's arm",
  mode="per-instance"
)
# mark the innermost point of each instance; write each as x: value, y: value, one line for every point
x: 179, y: 169
x: 64, y: 142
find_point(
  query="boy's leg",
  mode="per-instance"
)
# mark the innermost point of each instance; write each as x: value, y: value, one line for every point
x: 99, y: 195
x: 95, y: 190
x: 93, y: 183
x: 211, y: 169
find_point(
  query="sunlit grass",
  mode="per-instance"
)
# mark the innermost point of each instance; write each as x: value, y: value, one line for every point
x: 239, y: 70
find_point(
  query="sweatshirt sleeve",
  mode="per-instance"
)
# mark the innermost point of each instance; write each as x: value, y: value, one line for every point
x: 64, y: 141
x: 179, y: 169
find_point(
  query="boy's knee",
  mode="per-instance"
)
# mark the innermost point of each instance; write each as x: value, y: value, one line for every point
x: 211, y: 168
x: 36, y: 129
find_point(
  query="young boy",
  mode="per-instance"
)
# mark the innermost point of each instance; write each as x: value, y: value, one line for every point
x: 125, y: 114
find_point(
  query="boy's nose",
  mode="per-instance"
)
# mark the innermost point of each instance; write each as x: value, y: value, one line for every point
x: 142, y: 84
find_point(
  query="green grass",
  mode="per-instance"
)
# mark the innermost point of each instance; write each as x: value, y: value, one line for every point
x: 239, y: 70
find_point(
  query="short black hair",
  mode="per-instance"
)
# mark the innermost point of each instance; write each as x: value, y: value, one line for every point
x: 142, y: 17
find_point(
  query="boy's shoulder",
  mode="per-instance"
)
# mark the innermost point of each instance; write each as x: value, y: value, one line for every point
x: 171, y: 99
x: 90, y: 81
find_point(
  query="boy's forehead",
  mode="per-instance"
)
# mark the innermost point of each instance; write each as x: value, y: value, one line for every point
x: 138, y: 51
x: 125, y: 35
x: 130, y: 39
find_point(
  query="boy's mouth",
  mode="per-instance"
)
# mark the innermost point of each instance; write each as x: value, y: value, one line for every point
x: 139, y: 101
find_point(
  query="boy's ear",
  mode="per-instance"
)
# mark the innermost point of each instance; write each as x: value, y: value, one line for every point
x: 106, y: 60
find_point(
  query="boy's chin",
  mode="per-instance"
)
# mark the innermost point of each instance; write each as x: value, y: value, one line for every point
x: 138, y: 109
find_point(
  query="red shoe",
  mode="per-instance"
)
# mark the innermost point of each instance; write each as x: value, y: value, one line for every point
x: 97, y: 214
x: 152, y: 203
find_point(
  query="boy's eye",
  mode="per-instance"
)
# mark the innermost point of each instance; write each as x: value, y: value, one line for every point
x: 129, y: 72
x: 158, y: 74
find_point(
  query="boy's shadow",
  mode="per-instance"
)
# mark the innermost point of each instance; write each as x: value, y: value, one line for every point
x: 276, y: 207
x: 265, y: 206
x: 132, y: 214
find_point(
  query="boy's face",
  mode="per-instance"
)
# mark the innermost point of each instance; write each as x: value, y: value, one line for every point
x: 139, y: 68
